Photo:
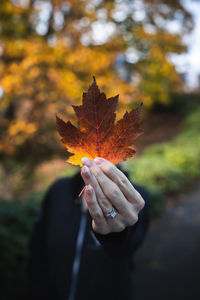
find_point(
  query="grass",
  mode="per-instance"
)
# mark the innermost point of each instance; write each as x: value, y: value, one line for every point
x: 165, y: 168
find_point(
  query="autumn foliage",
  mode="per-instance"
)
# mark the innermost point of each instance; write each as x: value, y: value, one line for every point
x: 98, y: 135
x: 48, y: 51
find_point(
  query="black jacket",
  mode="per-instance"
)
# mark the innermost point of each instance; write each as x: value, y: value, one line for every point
x: 106, y: 260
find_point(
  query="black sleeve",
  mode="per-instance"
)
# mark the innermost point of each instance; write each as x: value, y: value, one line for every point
x: 125, y: 243
x: 37, y: 265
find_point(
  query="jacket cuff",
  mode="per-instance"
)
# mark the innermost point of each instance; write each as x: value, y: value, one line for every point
x: 116, y: 243
x: 113, y: 238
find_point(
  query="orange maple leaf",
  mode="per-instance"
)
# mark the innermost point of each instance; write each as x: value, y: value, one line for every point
x: 98, y: 135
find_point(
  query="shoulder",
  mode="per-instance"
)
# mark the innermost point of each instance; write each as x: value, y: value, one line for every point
x: 59, y: 183
x: 68, y: 187
x: 55, y: 188
x: 62, y: 182
x: 53, y: 192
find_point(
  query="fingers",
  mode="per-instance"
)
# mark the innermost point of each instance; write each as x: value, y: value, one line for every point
x: 89, y: 178
x: 100, y: 202
x: 99, y: 223
x: 121, y: 181
x: 110, y: 190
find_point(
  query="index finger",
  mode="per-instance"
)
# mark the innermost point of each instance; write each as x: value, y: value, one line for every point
x: 120, y: 179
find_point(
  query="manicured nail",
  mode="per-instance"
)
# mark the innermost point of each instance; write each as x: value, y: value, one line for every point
x: 86, y: 171
x: 88, y: 189
x: 86, y: 161
x: 99, y: 160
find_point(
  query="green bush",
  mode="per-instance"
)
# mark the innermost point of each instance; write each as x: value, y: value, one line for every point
x: 166, y: 167
x: 16, y: 223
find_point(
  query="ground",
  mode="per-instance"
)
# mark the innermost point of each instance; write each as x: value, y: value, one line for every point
x: 168, y: 264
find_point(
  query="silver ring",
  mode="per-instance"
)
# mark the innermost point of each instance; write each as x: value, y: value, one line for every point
x: 112, y: 214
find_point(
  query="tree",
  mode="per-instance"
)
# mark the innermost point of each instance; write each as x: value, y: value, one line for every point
x: 50, y: 50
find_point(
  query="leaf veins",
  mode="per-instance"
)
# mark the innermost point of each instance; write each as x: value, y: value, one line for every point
x: 98, y: 135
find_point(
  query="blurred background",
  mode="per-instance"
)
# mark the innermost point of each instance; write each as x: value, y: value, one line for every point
x: 144, y: 50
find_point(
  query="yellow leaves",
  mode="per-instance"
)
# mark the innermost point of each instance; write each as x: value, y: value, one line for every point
x: 70, y: 85
x: 20, y: 127
x: 10, y: 82
x: 7, y: 146
x: 9, y: 8
x: 34, y: 73
x: 15, y: 48
x: 39, y: 77
x: 147, y: 100
x: 17, y: 133
x: 53, y: 75
x: 164, y: 98
x: 96, y: 59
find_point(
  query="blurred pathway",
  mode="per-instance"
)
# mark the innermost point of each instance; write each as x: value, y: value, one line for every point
x: 168, y: 263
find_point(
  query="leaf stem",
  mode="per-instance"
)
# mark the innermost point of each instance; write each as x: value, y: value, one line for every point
x: 82, y: 191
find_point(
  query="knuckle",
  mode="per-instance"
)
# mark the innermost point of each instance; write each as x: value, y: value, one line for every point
x: 97, y: 215
x: 140, y: 204
x: 137, y: 195
x: 108, y: 168
x: 89, y: 200
x: 124, y: 180
x: 97, y: 172
x: 133, y: 218
x: 113, y: 192
x: 105, y: 204
x: 100, y: 229
x: 120, y: 227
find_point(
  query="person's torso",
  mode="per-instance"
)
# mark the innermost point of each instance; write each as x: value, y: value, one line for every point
x: 99, y: 276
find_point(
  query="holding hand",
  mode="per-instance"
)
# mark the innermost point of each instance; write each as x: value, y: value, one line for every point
x: 111, y: 199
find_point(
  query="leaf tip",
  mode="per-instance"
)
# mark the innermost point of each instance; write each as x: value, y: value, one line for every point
x: 94, y: 79
x: 57, y: 119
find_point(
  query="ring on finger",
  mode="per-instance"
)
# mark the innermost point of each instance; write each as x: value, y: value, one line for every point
x: 112, y: 214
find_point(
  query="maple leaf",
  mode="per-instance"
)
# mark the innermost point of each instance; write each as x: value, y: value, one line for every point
x: 98, y: 135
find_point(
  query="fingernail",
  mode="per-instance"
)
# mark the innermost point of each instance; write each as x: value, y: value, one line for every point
x: 88, y: 189
x: 86, y: 171
x: 99, y: 160
x: 86, y: 161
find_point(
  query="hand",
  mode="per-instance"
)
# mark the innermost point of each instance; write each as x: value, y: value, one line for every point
x: 107, y: 188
